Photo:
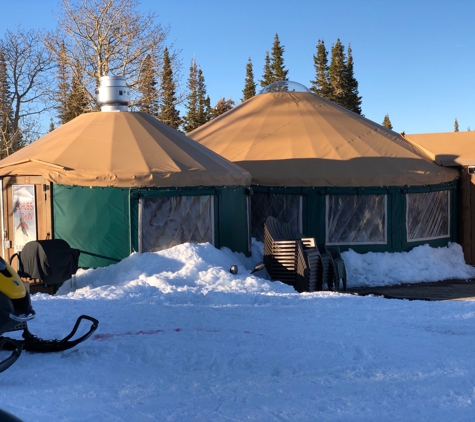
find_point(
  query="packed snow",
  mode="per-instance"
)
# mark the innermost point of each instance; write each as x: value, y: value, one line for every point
x: 420, y: 264
x: 182, y: 339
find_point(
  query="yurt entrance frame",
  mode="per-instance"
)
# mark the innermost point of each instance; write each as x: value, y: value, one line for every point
x: 314, y: 218
x: 42, y: 210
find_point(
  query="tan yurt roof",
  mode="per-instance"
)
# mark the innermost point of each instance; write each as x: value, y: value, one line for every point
x: 122, y: 149
x: 300, y: 139
x: 447, y: 149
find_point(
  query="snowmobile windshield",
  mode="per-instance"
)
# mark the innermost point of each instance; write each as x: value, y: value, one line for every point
x: 3, y: 264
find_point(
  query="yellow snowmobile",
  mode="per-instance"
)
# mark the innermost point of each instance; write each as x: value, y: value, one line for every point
x: 16, y: 311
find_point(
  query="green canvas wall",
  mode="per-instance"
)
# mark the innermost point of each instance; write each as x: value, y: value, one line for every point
x: 233, y: 219
x: 95, y: 221
x: 103, y: 222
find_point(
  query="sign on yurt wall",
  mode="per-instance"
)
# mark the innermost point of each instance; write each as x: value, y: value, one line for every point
x: 26, y: 212
x: 24, y: 215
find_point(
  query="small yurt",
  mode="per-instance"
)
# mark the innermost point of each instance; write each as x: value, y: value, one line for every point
x: 332, y: 174
x: 114, y: 182
x: 456, y: 150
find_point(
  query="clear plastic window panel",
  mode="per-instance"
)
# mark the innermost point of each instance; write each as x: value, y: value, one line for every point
x: 167, y: 222
x: 287, y: 209
x: 428, y: 215
x: 356, y: 219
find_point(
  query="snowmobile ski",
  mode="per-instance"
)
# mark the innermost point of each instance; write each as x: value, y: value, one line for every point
x: 16, y: 311
x: 31, y: 343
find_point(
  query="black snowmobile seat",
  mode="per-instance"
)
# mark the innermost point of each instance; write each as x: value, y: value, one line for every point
x: 51, y: 261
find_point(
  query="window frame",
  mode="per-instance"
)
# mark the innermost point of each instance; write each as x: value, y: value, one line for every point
x: 449, y: 222
x: 385, y: 230
x: 140, y: 217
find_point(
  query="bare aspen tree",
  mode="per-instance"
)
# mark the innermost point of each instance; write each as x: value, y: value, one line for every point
x: 28, y: 64
x: 107, y: 37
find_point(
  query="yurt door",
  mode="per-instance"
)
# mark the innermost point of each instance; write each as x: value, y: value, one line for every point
x: 26, y: 212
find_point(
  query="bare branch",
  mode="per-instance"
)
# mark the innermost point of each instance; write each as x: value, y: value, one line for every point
x: 28, y: 66
x: 107, y: 37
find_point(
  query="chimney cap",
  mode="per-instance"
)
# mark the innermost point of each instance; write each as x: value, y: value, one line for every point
x: 113, y: 93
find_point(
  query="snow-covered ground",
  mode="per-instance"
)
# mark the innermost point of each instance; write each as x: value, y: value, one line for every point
x: 182, y: 339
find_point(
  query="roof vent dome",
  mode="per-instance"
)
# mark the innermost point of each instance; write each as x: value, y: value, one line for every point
x: 284, y: 86
x: 113, y: 93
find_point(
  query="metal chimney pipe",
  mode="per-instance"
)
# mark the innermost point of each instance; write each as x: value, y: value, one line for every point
x: 113, y: 93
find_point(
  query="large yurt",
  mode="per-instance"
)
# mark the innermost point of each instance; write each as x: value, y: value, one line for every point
x: 334, y: 175
x: 114, y: 182
x: 456, y: 150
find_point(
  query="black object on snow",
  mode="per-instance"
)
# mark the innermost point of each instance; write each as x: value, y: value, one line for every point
x: 52, y: 261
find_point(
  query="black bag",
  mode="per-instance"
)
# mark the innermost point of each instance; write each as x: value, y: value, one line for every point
x: 52, y: 261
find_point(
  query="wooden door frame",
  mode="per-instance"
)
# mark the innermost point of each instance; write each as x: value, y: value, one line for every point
x: 43, y: 198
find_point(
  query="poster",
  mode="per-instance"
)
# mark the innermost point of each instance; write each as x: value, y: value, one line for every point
x: 24, y: 215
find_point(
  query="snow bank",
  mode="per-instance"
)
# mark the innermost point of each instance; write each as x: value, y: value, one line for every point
x: 422, y: 263
x: 189, y: 270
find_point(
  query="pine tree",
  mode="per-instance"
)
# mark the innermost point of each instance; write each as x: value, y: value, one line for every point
x: 279, y: 73
x: 337, y: 73
x: 168, y: 113
x: 198, y: 104
x: 267, y: 77
x: 62, y: 92
x: 51, y: 125
x: 321, y: 84
x: 249, y: 90
x: 78, y: 101
x: 274, y: 69
x: 148, y: 101
x: 386, y: 122
x: 190, y: 120
x: 205, y: 113
x: 222, y: 106
x: 6, y: 111
x: 456, y: 125
x: 344, y: 86
x: 352, y: 100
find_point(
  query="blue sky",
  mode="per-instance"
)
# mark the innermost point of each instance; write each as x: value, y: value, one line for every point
x: 414, y: 60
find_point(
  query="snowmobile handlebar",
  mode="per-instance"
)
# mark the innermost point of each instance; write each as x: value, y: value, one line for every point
x: 23, y: 317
